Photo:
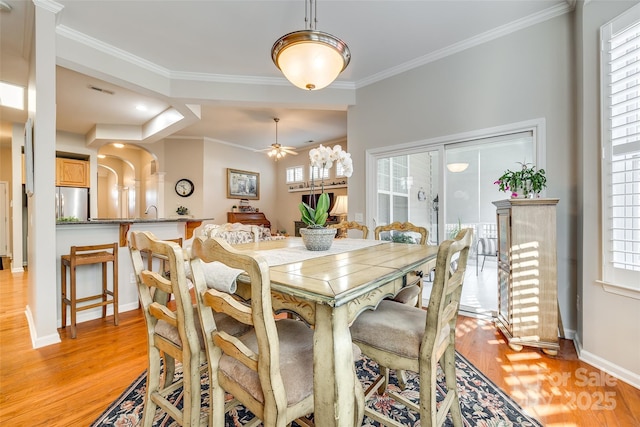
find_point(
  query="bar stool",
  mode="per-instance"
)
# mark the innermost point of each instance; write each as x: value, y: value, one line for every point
x: 85, y: 255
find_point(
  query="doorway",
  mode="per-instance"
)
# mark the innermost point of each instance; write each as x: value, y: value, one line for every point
x: 448, y: 185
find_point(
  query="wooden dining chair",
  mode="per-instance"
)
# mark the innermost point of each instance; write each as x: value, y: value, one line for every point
x: 344, y: 226
x: 173, y: 333
x: 270, y: 368
x: 401, y: 337
x: 406, y: 232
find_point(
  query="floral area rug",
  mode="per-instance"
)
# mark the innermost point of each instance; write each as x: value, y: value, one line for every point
x: 482, y: 402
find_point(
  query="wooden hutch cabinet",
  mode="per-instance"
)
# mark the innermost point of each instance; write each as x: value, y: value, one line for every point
x: 527, y: 273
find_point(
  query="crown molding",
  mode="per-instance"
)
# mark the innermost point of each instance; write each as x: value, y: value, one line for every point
x: 536, y: 18
x: 49, y: 5
x: 485, y: 37
x: 101, y: 46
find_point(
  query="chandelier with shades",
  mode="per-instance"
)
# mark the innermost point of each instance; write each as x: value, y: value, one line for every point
x: 310, y: 59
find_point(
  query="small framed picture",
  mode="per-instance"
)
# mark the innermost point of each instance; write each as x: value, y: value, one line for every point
x: 243, y: 184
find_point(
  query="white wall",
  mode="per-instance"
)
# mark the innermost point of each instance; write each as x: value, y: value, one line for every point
x: 609, y: 324
x: 519, y: 77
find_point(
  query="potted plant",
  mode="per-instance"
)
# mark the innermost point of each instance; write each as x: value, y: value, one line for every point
x: 526, y: 182
x: 182, y: 210
x: 316, y: 236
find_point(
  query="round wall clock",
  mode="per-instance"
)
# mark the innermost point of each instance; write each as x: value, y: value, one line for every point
x: 184, y: 187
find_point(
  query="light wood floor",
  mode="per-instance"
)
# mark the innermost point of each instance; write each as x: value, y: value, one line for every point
x: 71, y: 383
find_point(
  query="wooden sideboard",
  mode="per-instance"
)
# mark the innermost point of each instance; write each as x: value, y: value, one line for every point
x: 250, y: 218
x: 527, y: 273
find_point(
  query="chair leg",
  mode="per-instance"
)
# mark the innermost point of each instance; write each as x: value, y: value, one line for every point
x: 216, y: 402
x: 428, y: 406
x: 153, y: 386
x: 191, y: 387
x: 63, y: 288
x: 449, y: 368
x: 104, y: 290
x: 73, y: 301
x: 401, y: 374
x: 116, y: 320
x: 384, y: 374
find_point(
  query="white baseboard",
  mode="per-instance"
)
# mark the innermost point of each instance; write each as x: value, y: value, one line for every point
x: 619, y: 372
x: 36, y: 341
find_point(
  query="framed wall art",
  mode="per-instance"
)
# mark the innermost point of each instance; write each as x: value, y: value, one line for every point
x: 243, y: 184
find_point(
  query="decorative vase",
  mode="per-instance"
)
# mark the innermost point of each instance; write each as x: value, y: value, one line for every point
x: 318, y: 239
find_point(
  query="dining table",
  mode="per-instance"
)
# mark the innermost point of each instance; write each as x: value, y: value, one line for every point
x: 328, y: 290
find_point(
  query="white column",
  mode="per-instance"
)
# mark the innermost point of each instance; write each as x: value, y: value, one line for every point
x: 43, y: 295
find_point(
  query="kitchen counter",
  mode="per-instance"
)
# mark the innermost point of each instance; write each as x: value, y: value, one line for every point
x: 125, y: 224
x: 109, y: 230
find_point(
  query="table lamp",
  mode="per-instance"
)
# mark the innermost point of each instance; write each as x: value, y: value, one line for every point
x: 340, y: 210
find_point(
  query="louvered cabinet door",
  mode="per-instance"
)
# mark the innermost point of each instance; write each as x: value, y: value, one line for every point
x: 527, y: 273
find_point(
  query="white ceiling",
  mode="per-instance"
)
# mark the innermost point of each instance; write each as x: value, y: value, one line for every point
x: 230, y: 41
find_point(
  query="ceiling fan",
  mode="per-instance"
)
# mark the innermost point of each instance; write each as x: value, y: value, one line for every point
x: 276, y: 150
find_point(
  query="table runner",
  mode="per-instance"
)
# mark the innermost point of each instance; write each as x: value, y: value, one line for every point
x: 297, y: 252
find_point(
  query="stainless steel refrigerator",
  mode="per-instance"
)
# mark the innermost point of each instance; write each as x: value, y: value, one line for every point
x: 72, y: 202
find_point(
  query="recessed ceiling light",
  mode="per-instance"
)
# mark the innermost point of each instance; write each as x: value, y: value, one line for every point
x: 118, y: 145
x: 141, y: 107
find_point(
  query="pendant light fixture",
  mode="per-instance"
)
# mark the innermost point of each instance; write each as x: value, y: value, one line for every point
x: 308, y: 58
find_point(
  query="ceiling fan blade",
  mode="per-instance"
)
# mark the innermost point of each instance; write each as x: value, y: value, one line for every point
x: 289, y: 151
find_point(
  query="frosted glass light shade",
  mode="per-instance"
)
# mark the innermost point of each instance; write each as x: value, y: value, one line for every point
x: 341, y: 206
x: 310, y: 59
x: 457, y: 167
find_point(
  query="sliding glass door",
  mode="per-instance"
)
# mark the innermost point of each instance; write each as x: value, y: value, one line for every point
x: 448, y: 186
x: 407, y: 186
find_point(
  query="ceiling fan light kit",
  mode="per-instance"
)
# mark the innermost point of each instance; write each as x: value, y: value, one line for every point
x: 308, y: 58
x: 277, y: 151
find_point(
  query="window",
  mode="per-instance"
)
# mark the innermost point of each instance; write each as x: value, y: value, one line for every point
x: 394, y: 183
x: 294, y: 174
x: 318, y: 173
x: 620, y: 59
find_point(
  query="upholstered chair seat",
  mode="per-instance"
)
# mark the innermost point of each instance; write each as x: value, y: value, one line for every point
x: 379, y: 329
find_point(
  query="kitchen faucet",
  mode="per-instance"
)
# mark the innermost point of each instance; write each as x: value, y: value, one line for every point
x: 149, y: 208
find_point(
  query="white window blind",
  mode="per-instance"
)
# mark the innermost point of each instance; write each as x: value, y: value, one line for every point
x: 295, y: 174
x: 621, y: 149
x: 319, y: 173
